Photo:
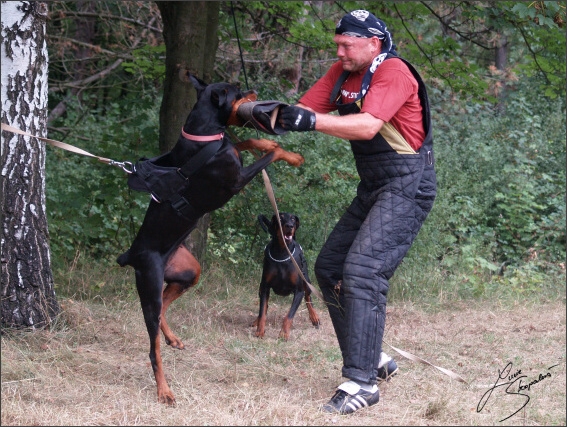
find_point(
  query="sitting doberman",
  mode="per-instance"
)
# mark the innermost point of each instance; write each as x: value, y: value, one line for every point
x: 280, y: 273
x: 157, y: 253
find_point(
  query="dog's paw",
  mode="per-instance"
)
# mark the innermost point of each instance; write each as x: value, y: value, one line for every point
x: 166, y: 397
x: 266, y: 144
x: 175, y: 343
x: 293, y: 159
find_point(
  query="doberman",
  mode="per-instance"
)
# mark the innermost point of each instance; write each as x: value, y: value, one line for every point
x: 158, y: 253
x: 280, y: 273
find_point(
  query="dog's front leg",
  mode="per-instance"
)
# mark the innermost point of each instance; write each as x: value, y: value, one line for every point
x: 263, y: 145
x: 269, y: 146
x: 260, y: 321
x: 312, y: 313
x: 288, y: 319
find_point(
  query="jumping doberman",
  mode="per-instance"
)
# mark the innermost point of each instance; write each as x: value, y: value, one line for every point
x: 158, y: 253
x: 280, y: 273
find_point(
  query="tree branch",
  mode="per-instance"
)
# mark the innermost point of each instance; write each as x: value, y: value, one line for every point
x: 468, y: 37
x: 95, y: 48
x: 79, y: 83
x: 421, y: 49
x: 119, y: 18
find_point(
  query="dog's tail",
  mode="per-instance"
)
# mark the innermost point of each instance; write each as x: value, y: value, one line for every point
x: 123, y: 259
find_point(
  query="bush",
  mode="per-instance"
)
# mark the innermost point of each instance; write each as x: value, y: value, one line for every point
x: 498, y: 222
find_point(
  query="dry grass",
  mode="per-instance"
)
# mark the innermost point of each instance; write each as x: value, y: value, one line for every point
x: 93, y: 368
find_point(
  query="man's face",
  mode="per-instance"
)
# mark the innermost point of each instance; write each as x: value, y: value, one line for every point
x: 356, y: 53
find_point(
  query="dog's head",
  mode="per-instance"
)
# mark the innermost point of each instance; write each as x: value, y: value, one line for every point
x: 290, y: 224
x: 225, y: 98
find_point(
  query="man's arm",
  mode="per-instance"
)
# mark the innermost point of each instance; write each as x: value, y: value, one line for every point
x: 362, y: 126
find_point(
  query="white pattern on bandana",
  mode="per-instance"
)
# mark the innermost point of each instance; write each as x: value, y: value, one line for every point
x: 361, y: 15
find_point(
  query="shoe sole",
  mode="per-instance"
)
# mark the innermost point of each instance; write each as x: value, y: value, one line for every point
x: 389, y: 377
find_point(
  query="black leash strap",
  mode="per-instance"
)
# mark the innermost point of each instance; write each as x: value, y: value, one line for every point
x: 202, y: 157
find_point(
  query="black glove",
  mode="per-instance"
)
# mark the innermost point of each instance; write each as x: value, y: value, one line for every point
x: 297, y: 119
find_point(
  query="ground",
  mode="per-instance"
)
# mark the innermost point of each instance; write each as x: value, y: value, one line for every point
x: 94, y: 367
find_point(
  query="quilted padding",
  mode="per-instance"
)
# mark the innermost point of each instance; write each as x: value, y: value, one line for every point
x: 395, y: 194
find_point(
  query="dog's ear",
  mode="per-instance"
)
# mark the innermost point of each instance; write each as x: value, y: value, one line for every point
x: 199, y: 84
x: 264, y: 223
x: 274, y: 226
x: 296, y: 224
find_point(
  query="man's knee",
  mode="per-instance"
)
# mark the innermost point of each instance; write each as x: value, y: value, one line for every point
x: 328, y: 273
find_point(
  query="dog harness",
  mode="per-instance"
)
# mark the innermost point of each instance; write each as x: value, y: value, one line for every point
x: 166, y: 183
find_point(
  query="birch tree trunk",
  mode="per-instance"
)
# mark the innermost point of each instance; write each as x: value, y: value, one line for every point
x: 27, y: 291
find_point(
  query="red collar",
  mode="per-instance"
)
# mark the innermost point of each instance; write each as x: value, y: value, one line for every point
x: 202, y: 138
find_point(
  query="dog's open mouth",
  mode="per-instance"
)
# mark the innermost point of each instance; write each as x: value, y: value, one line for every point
x: 288, y: 238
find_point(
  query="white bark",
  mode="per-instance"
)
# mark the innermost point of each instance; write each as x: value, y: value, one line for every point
x: 27, y: 294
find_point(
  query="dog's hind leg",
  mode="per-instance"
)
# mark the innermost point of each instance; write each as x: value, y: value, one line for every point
x: 181, y: 272
x: 149, y: 283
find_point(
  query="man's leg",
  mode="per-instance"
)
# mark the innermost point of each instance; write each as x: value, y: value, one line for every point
x: 381, y: 243
x: 329, y: 267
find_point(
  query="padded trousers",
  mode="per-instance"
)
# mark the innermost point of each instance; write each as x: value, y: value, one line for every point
x: 360, y: 256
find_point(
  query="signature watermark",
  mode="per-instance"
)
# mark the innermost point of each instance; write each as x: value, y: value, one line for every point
x: 513, y: 382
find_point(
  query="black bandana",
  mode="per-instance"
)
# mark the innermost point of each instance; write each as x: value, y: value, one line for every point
x: 361, y: 23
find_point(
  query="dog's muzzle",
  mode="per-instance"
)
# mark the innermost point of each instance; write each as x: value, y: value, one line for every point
x: 260, y: 115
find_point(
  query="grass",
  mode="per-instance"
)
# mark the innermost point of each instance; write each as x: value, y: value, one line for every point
x: 93, y: 368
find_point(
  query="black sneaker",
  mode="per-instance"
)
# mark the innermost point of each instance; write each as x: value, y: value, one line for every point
x: 388, y: 370
x: 350, y: 397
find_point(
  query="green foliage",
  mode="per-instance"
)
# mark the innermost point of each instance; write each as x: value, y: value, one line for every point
x: 501, y: 200
x: 149, y: 61
x: 498, y: 225
x: 89, y: 205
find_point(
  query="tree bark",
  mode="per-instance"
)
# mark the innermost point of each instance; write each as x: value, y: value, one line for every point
x: 191, y: 41
x: 501, y: 62
x: 28, y: 295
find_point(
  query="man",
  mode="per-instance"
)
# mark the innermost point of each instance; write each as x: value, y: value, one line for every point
x: 384, y: 113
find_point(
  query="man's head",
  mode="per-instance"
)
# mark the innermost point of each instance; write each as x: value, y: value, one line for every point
x: 360, y: 37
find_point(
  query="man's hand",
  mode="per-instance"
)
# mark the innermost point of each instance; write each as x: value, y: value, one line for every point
x: 297, y: 119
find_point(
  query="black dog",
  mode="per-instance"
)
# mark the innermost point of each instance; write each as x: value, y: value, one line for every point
x: 158, y: 253
x: 280, y: 274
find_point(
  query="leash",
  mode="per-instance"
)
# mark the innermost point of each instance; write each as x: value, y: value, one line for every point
x: 403, y: 353
x: 272, y: 198
x: 267, y: 183
x: 126, y: 166
x: 270, y: 192
x: 414, y: 358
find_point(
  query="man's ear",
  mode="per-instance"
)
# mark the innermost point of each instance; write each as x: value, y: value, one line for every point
x: 376, y: 45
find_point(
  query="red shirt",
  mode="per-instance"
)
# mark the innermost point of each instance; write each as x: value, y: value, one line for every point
x: 392, y: 97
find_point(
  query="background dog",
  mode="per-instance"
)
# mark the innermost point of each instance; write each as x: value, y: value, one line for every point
x: 280, y: 274
x: 157, y: 253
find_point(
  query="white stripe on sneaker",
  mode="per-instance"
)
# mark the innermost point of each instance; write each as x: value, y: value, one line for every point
x: 356, y: 403
x: 362, y: 400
